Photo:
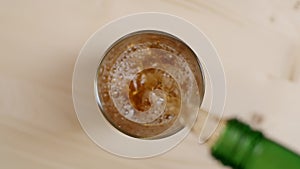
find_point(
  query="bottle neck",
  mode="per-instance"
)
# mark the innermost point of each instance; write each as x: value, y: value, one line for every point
x: 234, y: 143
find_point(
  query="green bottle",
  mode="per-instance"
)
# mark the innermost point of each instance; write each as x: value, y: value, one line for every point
x: 241, y: 147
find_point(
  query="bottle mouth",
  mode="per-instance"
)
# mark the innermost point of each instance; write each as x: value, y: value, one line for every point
x: 149, y: 84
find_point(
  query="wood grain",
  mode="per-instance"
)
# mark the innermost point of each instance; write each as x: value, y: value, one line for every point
x: 258, y: 42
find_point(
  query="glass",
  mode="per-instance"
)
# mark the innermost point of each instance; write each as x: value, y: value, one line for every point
x: 149, y: 84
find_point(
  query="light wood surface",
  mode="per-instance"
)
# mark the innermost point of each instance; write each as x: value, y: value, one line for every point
x: 257, y: 40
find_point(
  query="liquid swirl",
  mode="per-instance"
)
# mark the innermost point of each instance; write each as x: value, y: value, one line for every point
x: 148, y: 83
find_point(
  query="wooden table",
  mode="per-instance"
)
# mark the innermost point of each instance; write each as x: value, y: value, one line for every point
x: 258, y: 42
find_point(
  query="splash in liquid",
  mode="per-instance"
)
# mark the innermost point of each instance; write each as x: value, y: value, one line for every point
x: 149, y: 83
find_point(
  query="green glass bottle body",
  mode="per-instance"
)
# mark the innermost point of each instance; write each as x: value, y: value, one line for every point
x: 241, y: 147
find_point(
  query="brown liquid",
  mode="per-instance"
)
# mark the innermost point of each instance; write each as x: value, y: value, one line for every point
x: 137, y: 93
x: 149, y: 80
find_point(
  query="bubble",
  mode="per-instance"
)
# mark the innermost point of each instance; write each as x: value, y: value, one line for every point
x: 150, y: 80
x: 160, y: 101
x: 131, y: 112
x: 115, y: 94
x: 126, y: 113
x: 101, y: 70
